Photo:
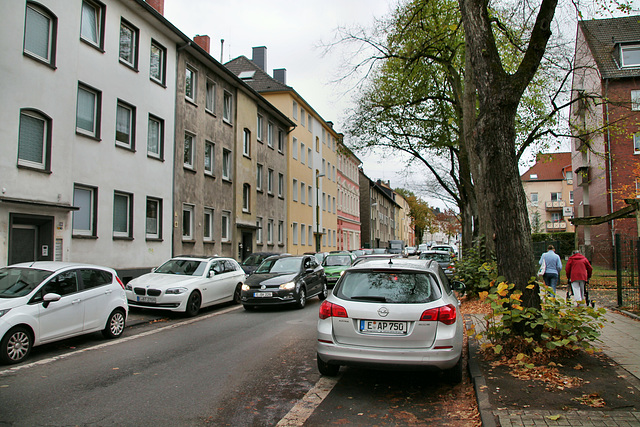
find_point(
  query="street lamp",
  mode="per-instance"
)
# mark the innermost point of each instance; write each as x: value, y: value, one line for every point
x: 318, y: 176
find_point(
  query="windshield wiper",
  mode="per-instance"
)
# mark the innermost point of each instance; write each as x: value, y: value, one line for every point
x: 369, y: 298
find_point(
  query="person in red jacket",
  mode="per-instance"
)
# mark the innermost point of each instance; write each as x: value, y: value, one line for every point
x: 578, y: 271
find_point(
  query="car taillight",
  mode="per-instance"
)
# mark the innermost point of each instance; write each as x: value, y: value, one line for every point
x: 445, y: 314
x: 328, y: 309
x: 120, y: 282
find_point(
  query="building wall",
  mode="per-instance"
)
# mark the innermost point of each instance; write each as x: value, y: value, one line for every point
x: 348, y: 201
x: 544, y: 208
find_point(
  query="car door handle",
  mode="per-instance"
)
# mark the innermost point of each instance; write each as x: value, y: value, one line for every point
x: 108, y: 291
x: 76, y: 301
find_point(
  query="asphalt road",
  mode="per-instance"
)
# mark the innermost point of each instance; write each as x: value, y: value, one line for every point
x: 224, y: 367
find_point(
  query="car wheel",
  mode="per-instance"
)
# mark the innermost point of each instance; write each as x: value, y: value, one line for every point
x: 325, y: 291
x: 248, y: 307
x: 454, y: 375
x: 327, y: 369
x: 302, y: 298
x: 115, y: 324
x: 193, y: 304
x: 16, y: 345
x: 237, y: 295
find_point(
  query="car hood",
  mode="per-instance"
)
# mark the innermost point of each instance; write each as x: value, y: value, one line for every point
x: 335, y: 269
x: 6, y: 303
x: 270, y: 279
x: 160, y: 281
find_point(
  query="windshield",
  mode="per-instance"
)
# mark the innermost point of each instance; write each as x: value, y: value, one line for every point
x: 337, y: 260
x: 280, y: 265
x: 254, y: 260
x: 437, y: 257
x: 379, y: 251
x: 389, y: 286
x: 18, y: 282
x: 186, y: 267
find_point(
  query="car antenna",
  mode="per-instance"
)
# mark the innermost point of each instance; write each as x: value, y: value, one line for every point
x: 390, y: 261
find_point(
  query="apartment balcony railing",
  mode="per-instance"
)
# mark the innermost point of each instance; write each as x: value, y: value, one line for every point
x: 557, y: 205
x: 556, y: 226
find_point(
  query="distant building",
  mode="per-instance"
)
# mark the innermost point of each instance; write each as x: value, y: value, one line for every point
x: 348, y: 199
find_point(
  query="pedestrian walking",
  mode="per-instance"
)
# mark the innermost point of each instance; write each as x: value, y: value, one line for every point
x: 552, y: 267
x: 578, y: 271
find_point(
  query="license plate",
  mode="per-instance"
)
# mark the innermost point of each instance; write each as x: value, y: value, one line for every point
x: 383, y: 327
x: 147, y: 299
x: 263, y: 294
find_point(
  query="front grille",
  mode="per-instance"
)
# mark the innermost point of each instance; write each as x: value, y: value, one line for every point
x: 153, y: 292
x: 139, y: 291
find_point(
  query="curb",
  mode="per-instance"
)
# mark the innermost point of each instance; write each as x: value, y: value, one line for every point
x: 487, y: 417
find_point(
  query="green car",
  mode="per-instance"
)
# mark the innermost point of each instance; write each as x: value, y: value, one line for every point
x: 335, y: 264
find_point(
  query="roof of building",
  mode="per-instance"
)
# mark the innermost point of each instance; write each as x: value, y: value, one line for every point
x: 548, y: 167
x: 604, y: 36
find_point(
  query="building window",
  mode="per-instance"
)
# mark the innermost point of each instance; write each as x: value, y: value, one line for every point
x: 190, y: 86
x: 280, y: 185
x: 34, y: 140
x: 226, y: 164
x: 270, y: 181
x: 207, y: 225
x: 158, y: 63
x: 246, y: 198
x: 188, y: 153
x: 122, y: 214
x: 210, y: 102
x: 226, y: 226
x: 259, y: 126
x: 303, y: 234
x: 294, y: 188
x: 270, y: 232
x: 568, y: 175
x: 187, y: 221
x: 270, y: 135
x: 280, y: 232
x: 302, y: 115
x: 294, y: 148
x: 302, y: 151
x: 630, y: 55
x: 155, y: 137
x: 227, y: 107
x: 128, y: 52
x: 294, y: 233
x: 571, y: 197
x: 309, y: 196
x: 295, y: 110
x: 280, y: 141
x: 556, y: 197
x: 125, y: 125
x: 259, y: 231
x: 309, y: 158
x: 556, y: 216
x: 153, y: 218
x: 246, y: 143
x: 318, y: 146
x: 92, y: 23
x: 88, y: 112
x: 310, y: 237
x: 209, y: 157
x: 636, y: 143
x: 84, y: 218
x: 635, y: 100
x: 40, y: 32
x: 259, y: 177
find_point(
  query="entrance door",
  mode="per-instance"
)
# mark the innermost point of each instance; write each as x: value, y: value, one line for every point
x: 23, y: 244
x: 30, y: 238
x: 247, y: 245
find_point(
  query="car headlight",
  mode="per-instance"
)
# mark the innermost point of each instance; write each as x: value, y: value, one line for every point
x: 3, y: 312
x: 341, y: 273
x: 288, y: 286
x: 128, y: 287
x: 245, y: 287
x: 175, y: 291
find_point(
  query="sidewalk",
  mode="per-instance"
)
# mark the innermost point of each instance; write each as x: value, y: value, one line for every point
x: 620, y: 341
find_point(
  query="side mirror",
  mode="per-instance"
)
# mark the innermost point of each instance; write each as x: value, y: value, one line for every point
x: 210, y: 274
x: 458, y: 286
x: 49, y: 298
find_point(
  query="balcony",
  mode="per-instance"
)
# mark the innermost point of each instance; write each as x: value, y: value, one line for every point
x: 557, y: 226
x: 582, y: 176
x: 557, y: 205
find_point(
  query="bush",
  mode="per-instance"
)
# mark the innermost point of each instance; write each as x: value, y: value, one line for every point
x: 470, y: 269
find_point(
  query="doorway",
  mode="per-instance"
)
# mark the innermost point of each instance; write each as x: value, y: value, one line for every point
x: 247, y: 245
x: 30, y: 238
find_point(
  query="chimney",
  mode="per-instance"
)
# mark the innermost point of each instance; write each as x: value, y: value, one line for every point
x: 204, y: 42
x: 260, y: 57
x: 157, y: 5
x: 280, y: 75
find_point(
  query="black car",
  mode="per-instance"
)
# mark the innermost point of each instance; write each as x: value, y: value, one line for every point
x: 253, y: 261
x: 285, y: 279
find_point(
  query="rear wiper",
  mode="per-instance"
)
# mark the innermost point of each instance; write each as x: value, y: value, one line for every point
x: 369, y: 298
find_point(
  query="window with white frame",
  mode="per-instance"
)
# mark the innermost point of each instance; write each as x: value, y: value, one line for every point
x: 190, y: 83
x: 92, y: 23
x: 630, y: 54
x: 153, y: 218
x: 280, y: 185
x: 637, y: 188
x: 40, y: 32
x: 210, y: 101
x: 303, y: 193
x: 259, y: 170
x: 226, y: 164
x: 270, y: 232
x: 259, y: 230
x: 636, y: 143
x: 225, y: 232
x: 246, y: 143
x: 294, y: 233
x: 209, y: 157
x: 88, y: 111
x: 125, y: 125
x: 294, y: 190
x: 571, y: 197
x: 280, y: 232
x: 555, y: 197
x: 310, y: 237
x: 534, y: 199
x: 635, y: 100
x: 259, y: 128
x: 303, y: 234
x: 294, y: 148
x: 84, y: 219
x: 324, y: 204
x: 155, y: 137
x: 207, y: 225
x: 128, y: 52
x: 280, y: 141
x: 302, y: 153
x: 227, y: 105
x: 34, y: 140
x: 157, y: 62
x: 246, y: 198
x: 270, y: 134
x: 187, y: 221
x: 189, y: 150
x: 295, y: 110
x: 122, y: 214
x: 270, y: 181
x: 556, y: 216
x: 309, y: 195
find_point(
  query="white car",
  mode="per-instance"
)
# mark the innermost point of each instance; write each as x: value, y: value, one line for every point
x: 46, y: 301
x: 391, y: 314
x: 187, y: 283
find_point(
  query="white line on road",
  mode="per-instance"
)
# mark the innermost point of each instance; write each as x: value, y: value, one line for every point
x: 299, y: 414
x: 116, y: 341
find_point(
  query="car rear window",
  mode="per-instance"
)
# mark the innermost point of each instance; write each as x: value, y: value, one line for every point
x: 389, y: 286
x: 437, y: 257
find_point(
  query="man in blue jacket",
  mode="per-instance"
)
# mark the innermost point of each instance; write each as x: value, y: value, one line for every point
x: 553, y: 267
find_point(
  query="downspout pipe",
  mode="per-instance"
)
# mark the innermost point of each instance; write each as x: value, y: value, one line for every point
x: 606, y: 94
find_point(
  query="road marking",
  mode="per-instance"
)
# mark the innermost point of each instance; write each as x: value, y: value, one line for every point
x: 299, y: 414
x: 116, y: 341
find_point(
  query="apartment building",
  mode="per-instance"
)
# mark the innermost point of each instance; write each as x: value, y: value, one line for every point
x: 348, y: 198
